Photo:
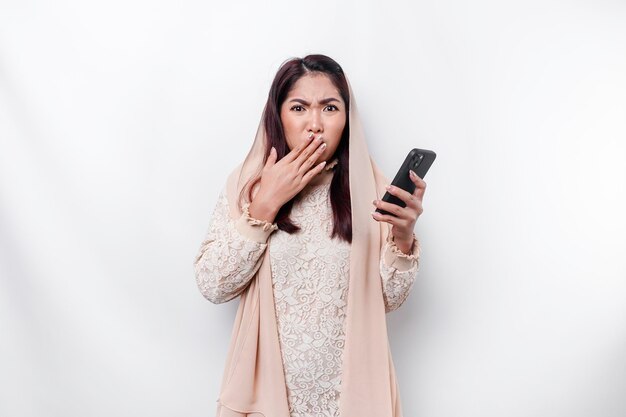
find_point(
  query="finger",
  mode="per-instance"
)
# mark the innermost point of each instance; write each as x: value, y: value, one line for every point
x: 408, y: 198
x: 394, y: 209
x: 308, y: 151
x: 311, y: 159
x: 313, y: 172
x: 385, y: 218
x: 271, y: 159
x: 420, y: 185
x: 293, y: 154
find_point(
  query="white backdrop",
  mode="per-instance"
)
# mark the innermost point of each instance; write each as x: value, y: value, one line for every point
x: 120, y: 120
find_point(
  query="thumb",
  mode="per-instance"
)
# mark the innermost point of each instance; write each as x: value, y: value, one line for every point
x: 271, y: 159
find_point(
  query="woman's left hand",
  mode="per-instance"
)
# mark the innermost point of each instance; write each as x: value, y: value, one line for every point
x: 404, y: 218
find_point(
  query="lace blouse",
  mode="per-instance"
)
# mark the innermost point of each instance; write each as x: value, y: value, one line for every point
x: 310, y: 273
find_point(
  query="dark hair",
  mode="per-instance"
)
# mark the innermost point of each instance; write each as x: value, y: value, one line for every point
x: 288, y: 73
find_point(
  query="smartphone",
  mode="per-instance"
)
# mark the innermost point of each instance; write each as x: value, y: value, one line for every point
x: 419, y: 160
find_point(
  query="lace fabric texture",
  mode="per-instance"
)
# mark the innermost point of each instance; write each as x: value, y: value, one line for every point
x: 265, y: 225
x: 310, y: 274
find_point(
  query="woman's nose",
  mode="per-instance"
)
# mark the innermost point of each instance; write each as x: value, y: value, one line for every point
x: 315, y: 123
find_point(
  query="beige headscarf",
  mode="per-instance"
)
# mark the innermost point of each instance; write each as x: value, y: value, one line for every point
x: 253, y: 383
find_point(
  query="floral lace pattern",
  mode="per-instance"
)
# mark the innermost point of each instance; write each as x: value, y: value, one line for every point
x: 310, y: 280
x: 310, y: 273
x: 227, y: 260
x: 397, y: 283
x: 256, y: 222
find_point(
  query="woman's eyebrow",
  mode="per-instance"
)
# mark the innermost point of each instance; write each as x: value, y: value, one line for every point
x: 306, y: 103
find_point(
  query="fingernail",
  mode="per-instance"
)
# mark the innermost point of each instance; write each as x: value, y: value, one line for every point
x: 412, y: 173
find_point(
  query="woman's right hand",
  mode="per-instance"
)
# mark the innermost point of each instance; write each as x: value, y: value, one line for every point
x: 282, y: 180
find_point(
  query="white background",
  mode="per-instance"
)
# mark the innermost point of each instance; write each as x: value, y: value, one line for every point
x: 120, y: 120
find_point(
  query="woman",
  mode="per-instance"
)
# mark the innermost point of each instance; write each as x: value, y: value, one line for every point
x: 294, y: 234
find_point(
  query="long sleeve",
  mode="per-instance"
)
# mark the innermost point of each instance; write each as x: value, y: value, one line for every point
x: 231, y: 252
x: 398, y: 272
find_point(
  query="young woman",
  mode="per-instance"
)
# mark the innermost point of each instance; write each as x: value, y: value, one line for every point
x: 294, y: 234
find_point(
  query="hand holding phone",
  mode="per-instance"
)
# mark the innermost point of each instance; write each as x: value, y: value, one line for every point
x: 418, y: 160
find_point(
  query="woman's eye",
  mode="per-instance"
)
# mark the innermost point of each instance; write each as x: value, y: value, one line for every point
x: 299, y: 108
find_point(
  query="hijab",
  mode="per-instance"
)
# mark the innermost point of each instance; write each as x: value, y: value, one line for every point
x: 253, y: 383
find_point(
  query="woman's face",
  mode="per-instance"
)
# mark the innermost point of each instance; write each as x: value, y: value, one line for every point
x: 314, y: 105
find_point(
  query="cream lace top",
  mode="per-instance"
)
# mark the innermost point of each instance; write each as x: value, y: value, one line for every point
x: 310, y: 275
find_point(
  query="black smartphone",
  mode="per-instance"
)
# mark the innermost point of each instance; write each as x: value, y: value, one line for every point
x: 419, y: 160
